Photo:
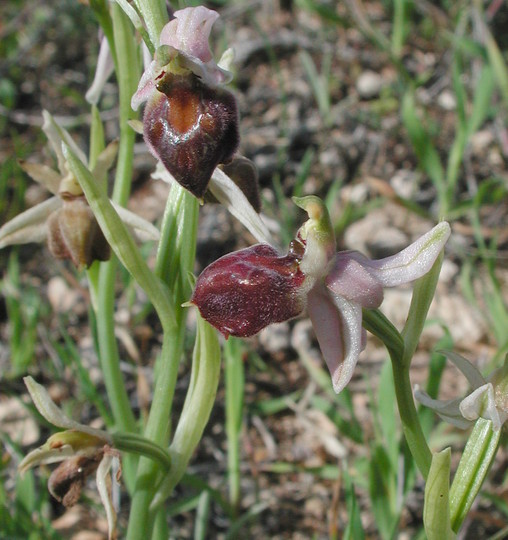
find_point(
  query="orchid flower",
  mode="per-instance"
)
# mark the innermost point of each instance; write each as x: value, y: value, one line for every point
x: 488, y: 398
x: 80, y: 450
x: 190, y: 122
x: 65, y: 220
x: 245, y: 291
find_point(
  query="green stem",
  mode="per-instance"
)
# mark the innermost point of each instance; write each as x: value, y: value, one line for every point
x: 197, y: 407
x: 155, y: 15
x: 178, y: 243
x: 127, y: 74
x: 234, y: 380
x: 135, y: 444
x: 376, y: 323
x: 157, y: 430
x: 409, y: 417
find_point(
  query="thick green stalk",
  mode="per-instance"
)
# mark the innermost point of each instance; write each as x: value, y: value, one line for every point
x: 97, y: 145
x: 409, y: 417
x: 376, y: 323
x: 197, y: 407
x: 423, y: 293
x: 157, y: 430
x: 178, y: 243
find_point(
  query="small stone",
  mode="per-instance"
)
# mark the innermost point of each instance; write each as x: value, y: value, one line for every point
x: 446, y: 100
x: 275, y: 338
x: 386, y: 242
x: 17, y: 422
x: 449, y: 270
x: 404, y: 183
x: 481, y: 140
x: 61, y: 297
x: 369, y: 84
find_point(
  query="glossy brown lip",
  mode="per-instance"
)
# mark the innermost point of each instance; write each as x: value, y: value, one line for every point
x: 191, y: 128
x: 245, y: 291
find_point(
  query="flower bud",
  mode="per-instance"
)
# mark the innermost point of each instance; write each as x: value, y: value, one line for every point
x: 191, y: 128
x: 73, y: 233
x: 68, y: 479
x: 244, y: 291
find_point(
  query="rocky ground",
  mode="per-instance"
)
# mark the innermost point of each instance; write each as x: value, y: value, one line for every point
x: 353, y: 145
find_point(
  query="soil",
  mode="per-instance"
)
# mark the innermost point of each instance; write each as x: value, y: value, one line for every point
x: 356, y: 144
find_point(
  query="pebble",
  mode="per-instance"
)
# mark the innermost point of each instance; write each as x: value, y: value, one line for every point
x: 404, y: 183
x: 447, y: 101
x: 61, y: 297
x: 386, y: 241
x: 17, y: 422
x: 275, y: 338
x: 369, y: 84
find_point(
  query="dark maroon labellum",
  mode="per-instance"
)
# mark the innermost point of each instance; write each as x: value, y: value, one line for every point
x: 242, y: 292
x: 191, y: 128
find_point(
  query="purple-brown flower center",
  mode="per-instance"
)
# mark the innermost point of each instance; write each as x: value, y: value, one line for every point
x: 191, y: 128
x: 245, y: 291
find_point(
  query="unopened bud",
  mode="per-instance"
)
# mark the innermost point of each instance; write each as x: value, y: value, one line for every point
x: 73, y: 233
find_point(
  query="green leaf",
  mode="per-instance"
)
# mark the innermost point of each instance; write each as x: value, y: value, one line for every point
x: 436, y: 510
x: 382, y: 490
x: 422, y: 144
x: 120, y: 240
x: 354, y: 529
x: 478, y: 456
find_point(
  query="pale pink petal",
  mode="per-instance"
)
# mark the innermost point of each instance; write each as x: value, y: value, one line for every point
x: 482, y: 402
x: 103, y: 71
x: 351, y: 279
x: 106, y: 486
x: 471, y: 372
x: 146, y: 87
x: 30, y: 225
x: 189, y: 32
x: 411, y: 263
x: 448, y: 410
x: 338, y: 326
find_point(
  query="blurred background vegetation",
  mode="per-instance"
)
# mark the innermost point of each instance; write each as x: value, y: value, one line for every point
x: 396, y: 113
